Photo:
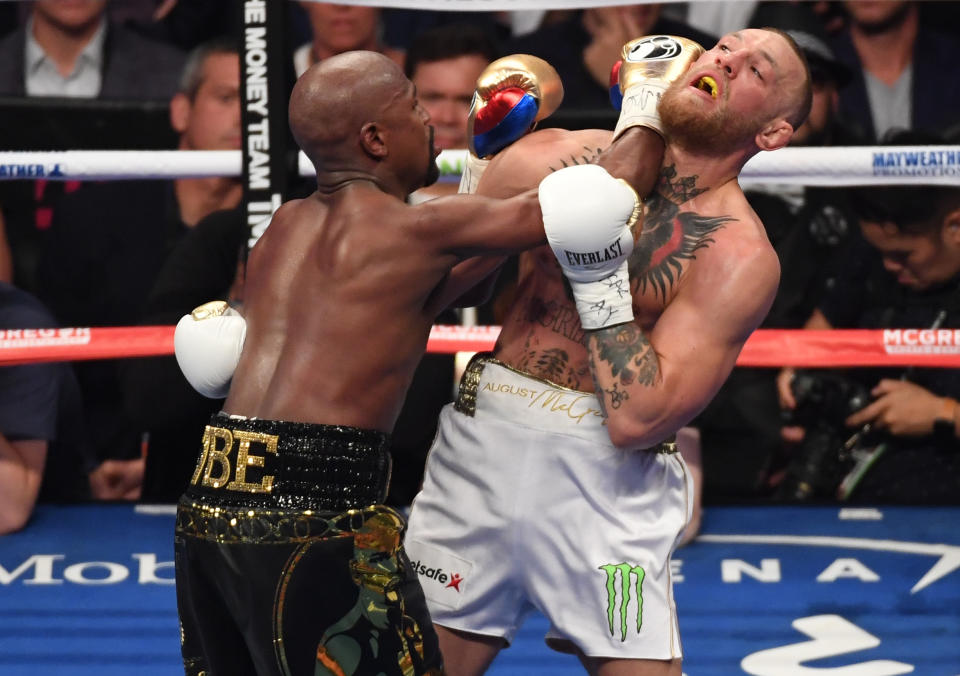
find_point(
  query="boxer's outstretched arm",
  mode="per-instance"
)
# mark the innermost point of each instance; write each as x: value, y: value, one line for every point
x: 652, y: 384
x: 635, y: 156
x: 472, y: 225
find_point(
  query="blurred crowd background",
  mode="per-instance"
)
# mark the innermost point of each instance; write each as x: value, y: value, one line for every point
x: 165, y: 74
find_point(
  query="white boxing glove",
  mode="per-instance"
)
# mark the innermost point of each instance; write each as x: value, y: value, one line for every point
x: 207, y: 343
x: 587, y: 216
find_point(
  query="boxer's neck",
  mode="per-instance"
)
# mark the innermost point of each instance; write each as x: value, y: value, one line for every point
x: 711, y: 171
x: 330, y: 182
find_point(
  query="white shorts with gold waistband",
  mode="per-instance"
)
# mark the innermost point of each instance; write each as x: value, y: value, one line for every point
x: 526, y: 504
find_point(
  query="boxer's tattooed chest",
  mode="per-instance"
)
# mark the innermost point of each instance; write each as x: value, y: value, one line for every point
x: 559, y: 317
x: 669, y: 236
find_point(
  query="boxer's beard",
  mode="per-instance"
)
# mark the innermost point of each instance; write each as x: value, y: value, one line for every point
x: 705, y: 131
x: 433, y: 171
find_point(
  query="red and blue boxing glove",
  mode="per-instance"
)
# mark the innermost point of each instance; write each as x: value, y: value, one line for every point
x: 512, y: 95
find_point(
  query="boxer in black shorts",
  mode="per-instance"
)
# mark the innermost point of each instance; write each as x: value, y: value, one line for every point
x: 287, y: 563
x: 329, y: 573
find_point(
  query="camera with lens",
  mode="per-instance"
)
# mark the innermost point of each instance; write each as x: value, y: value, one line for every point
x: 824, y: 401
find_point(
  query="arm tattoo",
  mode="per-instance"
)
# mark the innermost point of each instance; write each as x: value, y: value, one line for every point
x: 628, y: 354
x: 669, y: 236
x: 617, y: 396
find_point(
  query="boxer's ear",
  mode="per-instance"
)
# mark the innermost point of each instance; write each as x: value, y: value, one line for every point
x: 180, y: 106
x: 775, y: 134
x: 950, y: 230
x: 372, y: 140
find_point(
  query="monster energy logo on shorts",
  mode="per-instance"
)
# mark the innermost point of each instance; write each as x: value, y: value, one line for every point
x: 625, y: 595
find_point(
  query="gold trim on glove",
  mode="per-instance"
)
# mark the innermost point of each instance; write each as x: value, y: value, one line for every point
x: 214, y: 308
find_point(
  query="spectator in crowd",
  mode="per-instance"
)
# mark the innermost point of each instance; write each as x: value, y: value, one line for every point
x: 903, y: 273
x: 444, y: 64
x: 807, y: 225
x: 899, y: 64
x: 42, y: 450
x: 71, y: 49
x: 336, y: 28
x: 109, y: 240
x: 584, y: 46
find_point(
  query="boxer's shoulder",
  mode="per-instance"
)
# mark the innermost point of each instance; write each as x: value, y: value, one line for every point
x: 547, y: 144
x: 527, y: 161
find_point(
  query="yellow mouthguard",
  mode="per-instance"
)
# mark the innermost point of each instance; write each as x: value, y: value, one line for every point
x: 708, y: 84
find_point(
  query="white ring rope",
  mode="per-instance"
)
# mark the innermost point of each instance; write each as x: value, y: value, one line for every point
x: 832, y: 167
x: 490, y: 5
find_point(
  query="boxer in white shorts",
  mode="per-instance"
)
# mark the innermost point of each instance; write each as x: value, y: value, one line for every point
x: 531, y: 505
x: 513, y: 462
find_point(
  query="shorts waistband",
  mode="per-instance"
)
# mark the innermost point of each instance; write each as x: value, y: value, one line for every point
x: 491, y: 387
x: 243, y: 525
x: 248, y: 462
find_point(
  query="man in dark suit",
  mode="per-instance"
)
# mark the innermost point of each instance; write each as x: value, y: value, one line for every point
x: 68, y: 50
x: 72, y: 49
x: 900, y: 60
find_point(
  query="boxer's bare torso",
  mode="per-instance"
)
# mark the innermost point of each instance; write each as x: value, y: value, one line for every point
x: 339, y: 299
x: 692, y: 238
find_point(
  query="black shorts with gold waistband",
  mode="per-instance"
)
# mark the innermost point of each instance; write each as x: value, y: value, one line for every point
x: 287, y: 563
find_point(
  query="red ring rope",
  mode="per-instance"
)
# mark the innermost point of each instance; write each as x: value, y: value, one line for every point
x: 766, y: 347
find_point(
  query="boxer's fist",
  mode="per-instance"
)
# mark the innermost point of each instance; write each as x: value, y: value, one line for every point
x: 587, y: 217
x: 512, y: 94
x: 207, y: 343
x: 650, y: 64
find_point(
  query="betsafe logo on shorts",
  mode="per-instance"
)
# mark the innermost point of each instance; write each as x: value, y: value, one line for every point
x: 443, y: 574
x: 449, y: 580
x: 655, y: 48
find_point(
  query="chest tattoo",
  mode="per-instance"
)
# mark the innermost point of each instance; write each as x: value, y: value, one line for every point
x: 670, y: 236
x: 587, y: 156
x: 561, y: 318
x: 553, y: 364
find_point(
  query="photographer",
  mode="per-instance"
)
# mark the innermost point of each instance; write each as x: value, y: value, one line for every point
x: 903, y: 273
